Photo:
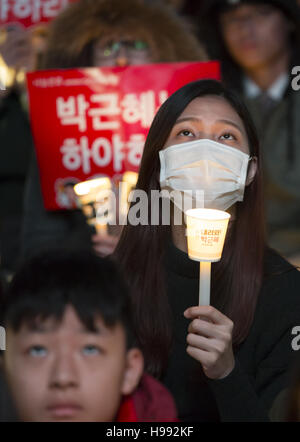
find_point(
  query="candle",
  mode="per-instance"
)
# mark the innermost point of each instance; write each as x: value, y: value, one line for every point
x: 93, y: 196
x: 206, y: 232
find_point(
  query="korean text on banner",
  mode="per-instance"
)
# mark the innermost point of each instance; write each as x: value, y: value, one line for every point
x: 94, y: 121
x: 29, y: 13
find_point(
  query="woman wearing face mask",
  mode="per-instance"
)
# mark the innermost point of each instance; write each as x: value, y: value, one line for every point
x: 227, y: 361
x: 101, y: 33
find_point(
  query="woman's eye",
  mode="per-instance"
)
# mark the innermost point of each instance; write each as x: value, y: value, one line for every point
x: 186, y: 133
x: 37, y: 351
x: 91, y: 350
x: 228, y: 136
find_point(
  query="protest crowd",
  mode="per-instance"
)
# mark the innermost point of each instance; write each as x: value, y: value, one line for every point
x: 150, y: 211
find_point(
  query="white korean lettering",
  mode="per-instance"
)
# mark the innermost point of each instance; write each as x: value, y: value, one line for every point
x: 108, y: 108
x: 4, y: 9
x: 73, y: 111
x: 101, y: 152
x: 76, y: 155
x: 22, y: 9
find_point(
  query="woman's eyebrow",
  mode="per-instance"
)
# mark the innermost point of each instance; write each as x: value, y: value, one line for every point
x: 182, y: 120
x: 231, y: 123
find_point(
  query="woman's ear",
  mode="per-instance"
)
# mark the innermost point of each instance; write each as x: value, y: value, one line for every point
x: 252, y: 169
x: 133, y: 370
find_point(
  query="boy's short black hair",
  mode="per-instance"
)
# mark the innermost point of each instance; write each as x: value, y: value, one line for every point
x: 48, y: 282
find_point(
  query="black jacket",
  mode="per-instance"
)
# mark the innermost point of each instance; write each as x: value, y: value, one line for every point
x: 15, y: 151
x: 262, y: 360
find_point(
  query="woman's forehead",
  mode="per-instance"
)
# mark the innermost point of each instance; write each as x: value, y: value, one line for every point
x: 211, y: 106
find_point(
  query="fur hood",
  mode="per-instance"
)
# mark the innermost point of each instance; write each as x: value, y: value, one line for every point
x: 72, y: 33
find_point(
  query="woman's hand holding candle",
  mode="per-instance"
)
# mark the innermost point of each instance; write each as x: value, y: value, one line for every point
x: 210, y: 340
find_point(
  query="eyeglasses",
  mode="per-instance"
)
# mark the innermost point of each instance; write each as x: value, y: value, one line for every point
x: 133, y: 48
x: 231, y: 20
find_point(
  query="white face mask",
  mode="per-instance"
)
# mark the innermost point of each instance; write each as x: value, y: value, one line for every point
x: 208, y: 174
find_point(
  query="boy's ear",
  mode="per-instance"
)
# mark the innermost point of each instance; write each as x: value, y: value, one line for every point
x: 133, y: 370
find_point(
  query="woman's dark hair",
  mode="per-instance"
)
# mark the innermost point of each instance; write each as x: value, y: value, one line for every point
x: 236, y: 279
x: 50, y: 281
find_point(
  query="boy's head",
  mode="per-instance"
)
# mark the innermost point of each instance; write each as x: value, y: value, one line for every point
x: 70, y: 351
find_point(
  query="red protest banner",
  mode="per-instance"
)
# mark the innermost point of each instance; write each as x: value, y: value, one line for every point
x: 29, y: 13
x: 94, y: 121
